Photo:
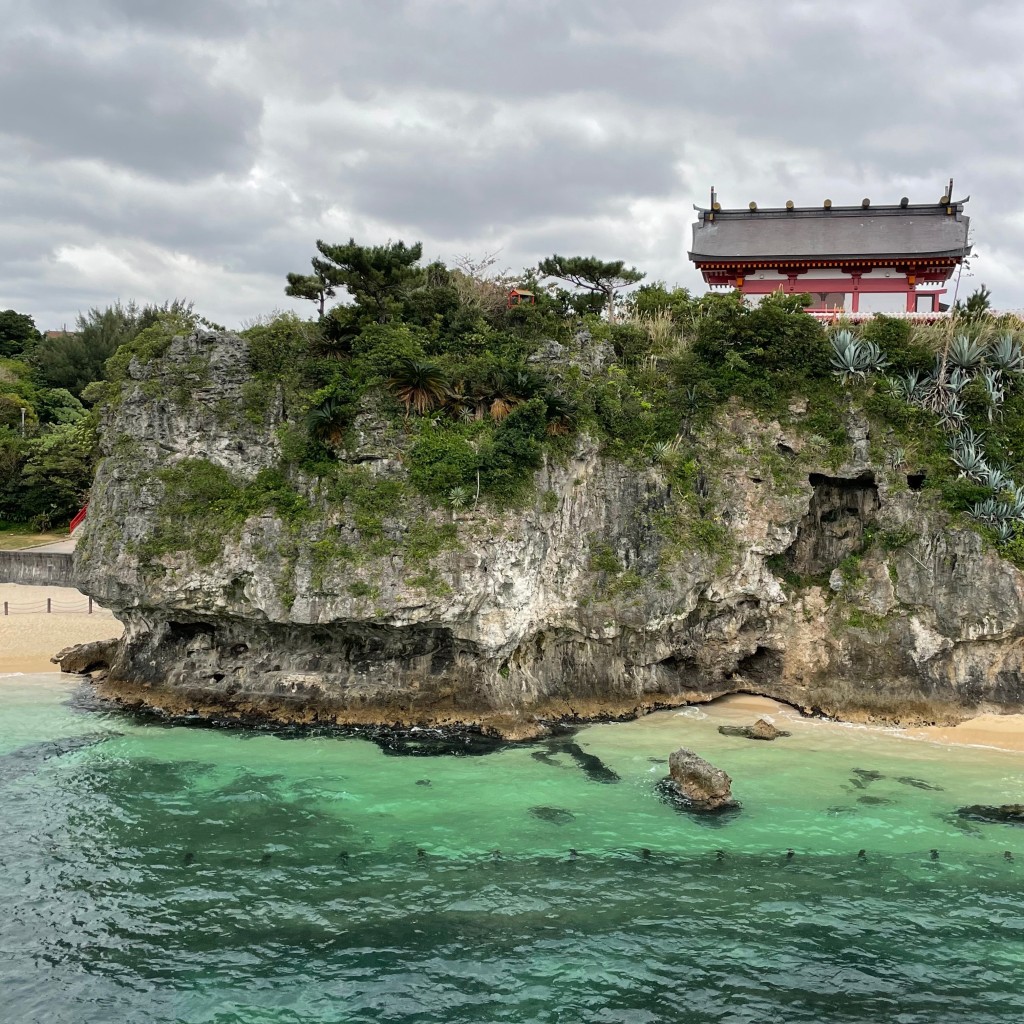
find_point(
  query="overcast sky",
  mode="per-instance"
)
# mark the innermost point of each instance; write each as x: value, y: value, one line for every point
x: 153, y: 149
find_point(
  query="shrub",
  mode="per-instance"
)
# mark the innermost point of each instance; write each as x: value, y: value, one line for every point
x: 892, y: 335
x: 441, y: 460
x: 515, y: 450
x: 961, y: 495
x: 381, y: 348
x: 278, y: 346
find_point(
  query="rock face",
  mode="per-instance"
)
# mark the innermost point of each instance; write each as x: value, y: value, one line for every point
x: 611, y: 593
x: 696, y: 784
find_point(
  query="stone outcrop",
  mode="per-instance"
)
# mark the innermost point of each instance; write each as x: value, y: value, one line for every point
x: 610, y: 594
x: 762, y: 729
x: 697, y: 785
x: 93, y: 656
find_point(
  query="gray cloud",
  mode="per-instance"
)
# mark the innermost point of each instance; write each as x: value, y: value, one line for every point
x: 157, y: 149
x: 204, y: 19
x: 145, y: 107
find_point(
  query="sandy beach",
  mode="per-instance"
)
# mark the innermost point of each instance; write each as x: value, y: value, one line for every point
x: 1004, y: 732
x: 29, y: 636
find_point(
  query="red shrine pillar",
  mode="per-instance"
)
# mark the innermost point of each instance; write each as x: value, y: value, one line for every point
x: 855, y: 292
x: 911, y: 293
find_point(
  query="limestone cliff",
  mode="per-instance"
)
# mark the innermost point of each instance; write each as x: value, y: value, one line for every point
x: 834, y: 587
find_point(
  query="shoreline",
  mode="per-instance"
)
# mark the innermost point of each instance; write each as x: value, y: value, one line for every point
x: 990, y: 731
x: 29, y: 639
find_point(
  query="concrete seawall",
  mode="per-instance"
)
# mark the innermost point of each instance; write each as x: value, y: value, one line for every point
x: 38, y: 569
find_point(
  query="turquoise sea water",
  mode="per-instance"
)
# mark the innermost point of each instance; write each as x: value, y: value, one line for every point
x: 193, y: 875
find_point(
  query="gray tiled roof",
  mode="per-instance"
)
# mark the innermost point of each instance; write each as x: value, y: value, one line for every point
x: 818, y: 233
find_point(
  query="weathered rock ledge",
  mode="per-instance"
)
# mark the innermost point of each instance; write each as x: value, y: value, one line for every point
x: 603, y: 598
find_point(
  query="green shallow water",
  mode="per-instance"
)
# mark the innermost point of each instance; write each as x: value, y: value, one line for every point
x: 190, y: 875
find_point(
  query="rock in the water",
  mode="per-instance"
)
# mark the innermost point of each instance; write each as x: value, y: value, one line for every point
x: 697, y: 784
x: 762, y: 729
x: 906, y: 780
x: 554, y: 815
x: 82, y: 658
x: 1005, y: 814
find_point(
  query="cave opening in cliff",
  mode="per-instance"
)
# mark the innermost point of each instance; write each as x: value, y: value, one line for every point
x: 833, y: 526
x: 760, y: 669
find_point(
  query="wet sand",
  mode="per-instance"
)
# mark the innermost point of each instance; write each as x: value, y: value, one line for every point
x: 1006, y: 732
x: 29, y: 636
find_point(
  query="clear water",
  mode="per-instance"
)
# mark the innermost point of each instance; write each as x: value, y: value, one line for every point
x: 187, y: 875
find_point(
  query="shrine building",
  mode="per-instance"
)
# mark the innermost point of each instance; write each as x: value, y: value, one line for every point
x: 848, y: 258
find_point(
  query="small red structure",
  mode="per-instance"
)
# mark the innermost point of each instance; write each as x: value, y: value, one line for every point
x: 520, y: 297
x: 79, y: 519
x: 837, y: 254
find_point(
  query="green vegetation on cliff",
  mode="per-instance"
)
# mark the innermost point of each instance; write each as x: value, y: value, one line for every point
x: 434, y: 369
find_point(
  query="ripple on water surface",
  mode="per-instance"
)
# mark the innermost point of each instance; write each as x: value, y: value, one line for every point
x: 173, y: 874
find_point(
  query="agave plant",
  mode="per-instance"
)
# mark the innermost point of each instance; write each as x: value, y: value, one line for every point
x: 459, y: 497
x: 420, y: 387
x: 912, y: 387
x: 1005, y: 353
x: 896, y: 457
x: 895, y: 387
x: 970, y: 460
x: 1004, y: 531
x: 663, y: 451
x: 951, y: 414
x: 958, y: 380
x: 991, y: 511
x: 995, y: 478
x: 965, y: 353
x: 1017, y: 503
x: 852, y: 358
x: 994, y: 391
x: 968, y: 435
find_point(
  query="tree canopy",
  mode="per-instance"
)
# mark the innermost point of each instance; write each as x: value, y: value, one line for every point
x: 316, y: 287
x: 588, y: 272
x: 72, y: 361
x: 17, y: 333
x: 377, y: 276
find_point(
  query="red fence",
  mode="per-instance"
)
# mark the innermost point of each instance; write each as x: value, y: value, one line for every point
x: 79, y: 519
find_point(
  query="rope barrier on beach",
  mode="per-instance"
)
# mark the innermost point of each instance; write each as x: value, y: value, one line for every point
x: 51, y: 606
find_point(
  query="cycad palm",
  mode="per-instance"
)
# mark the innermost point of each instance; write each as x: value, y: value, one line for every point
x: 504, y: 395
x: 326, y: 421
x: 420, y: 387
x: 561, y: 415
